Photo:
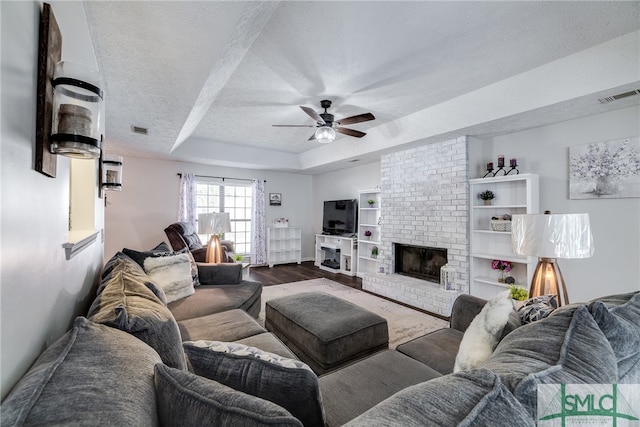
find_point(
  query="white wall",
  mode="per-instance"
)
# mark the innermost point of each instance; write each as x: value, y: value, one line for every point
x: 137, y: 216
x: 342, y: 184
x: 41, y: 292
x: 615, y: 223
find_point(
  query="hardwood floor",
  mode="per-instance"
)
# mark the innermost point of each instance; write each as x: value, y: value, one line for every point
x: 285, y: 273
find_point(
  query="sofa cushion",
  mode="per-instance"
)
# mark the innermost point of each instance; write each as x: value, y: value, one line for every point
x: 437, y: 349
x: 538, y: 308
x: 126, y: 303
x: 621, y: 325
x: 215, y: 299
x: 567, y: 347
x: 353, y: 389
x: 220, y: 274
x: 483, y: 334
x: 173, y: 274
x: 281, y: 380
x: 268, y: 342
x: 185, y: 399
x: 475, y: 398
x: 73, y: 381
x: 230, y: 325
x: 163, y: 250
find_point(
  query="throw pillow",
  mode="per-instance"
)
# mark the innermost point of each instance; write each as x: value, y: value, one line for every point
x: 567, y: 347
x: 93, y: 375
x: 537, y: 308
x: 159, y: 251
x: 483, y: 333
x: 186, y: 400
x: 126, y: 303
x: 172, y: 274
x: 621, y: 326
x: 287, y: 382
x: 475, y: 398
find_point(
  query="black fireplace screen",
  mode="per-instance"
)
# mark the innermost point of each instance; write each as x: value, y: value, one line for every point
x: 420, y: 262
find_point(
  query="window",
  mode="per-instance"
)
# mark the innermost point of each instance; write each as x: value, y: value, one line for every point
x: 234, y: 198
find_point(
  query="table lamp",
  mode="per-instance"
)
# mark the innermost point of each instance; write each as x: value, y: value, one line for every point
x: 549, y: 237
x: 215, y: 224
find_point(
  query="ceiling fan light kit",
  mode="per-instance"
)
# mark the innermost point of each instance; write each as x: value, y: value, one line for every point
x: 327, y: 126
x: 325, y: 134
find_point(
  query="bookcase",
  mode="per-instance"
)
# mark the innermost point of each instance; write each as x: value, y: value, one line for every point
x: 284, y: 245
x: 369, y: 217
x: 514, y: 194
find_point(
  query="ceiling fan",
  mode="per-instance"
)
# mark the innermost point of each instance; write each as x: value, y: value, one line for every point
x: 327, y: 126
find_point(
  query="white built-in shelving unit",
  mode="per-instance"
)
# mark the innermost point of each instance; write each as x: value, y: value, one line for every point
x: 369, y: 216
x: 284, y: 245
x: 514, y: 194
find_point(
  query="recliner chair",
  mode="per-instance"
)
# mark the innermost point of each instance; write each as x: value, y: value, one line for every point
x: 183, y: 235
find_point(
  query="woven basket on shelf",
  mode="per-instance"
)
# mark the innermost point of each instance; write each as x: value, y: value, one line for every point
x: 500, y: 225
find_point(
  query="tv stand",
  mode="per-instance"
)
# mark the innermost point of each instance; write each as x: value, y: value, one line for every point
x: 336, y: 254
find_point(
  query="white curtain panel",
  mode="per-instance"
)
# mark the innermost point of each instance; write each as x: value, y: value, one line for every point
x: 259, y: 229
x: 187, y: 203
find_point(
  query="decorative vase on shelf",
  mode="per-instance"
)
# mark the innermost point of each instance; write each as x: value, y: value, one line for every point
x: 502, y: 276
x: 487, y: 202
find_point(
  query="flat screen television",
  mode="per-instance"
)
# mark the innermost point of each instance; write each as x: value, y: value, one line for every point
x: 340, y: 217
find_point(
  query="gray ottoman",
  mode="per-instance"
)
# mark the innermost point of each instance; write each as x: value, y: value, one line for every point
x: 325, y: 332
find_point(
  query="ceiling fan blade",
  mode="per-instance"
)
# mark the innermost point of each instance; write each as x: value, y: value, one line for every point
x: 350, y: 132
x: 357, y: 119
x: 313, y: 114
x: 294, y: 126
x: 313, y: 137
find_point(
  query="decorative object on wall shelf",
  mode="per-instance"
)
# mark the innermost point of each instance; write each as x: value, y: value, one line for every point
x: 501, y: 223
x: 549, y: 237
x: 374, y: 252
x: 606, y: 169
x: 513, y: 164
x: 503, y: 267
x: 487, y: 196
x: 371, y: 202
x: 275, y: 199
x: 281, y: 222
x: 367, y: 234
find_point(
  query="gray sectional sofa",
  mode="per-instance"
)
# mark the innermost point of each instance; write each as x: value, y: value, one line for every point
x: 205, y: 360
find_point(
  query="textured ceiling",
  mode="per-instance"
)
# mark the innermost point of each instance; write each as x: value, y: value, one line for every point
x: 209, y: 79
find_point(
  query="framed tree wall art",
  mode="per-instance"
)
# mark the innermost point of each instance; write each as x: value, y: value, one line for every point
x: 605, y: 170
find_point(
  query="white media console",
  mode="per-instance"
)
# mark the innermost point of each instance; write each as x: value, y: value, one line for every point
x: 336, y: 254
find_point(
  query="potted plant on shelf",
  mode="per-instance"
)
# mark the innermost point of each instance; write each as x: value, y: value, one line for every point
x: 518, y: 294
x: 374, y: 252
x: 487, y: 196
x: 238, y: 257
x: 367, y: 234
x: 503, y: 266
x: 371, y: 202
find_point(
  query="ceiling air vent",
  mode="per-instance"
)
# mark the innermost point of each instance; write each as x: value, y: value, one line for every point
x: 139, y: 130
x: 618, y: 96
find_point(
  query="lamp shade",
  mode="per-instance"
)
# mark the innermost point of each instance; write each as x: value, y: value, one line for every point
x: 214, y: 223
x: 325, y: 134
x: 552, y: 235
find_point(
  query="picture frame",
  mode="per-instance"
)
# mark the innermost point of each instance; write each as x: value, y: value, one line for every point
x: 275, y: 199
x: 605, y: 170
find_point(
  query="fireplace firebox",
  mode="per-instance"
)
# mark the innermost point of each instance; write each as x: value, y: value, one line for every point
x: 421, y: 262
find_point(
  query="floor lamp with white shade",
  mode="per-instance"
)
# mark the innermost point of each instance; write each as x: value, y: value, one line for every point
x: 549, y: 237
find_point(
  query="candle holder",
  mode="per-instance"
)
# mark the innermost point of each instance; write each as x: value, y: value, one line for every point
x: 500, y: 168
x: 489, y: 170
x: 514, y: 167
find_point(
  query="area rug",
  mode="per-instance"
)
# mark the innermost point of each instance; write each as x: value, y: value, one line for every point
x: 404, y: 323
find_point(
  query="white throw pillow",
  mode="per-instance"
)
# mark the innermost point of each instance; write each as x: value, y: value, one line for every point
x: 481, y: 337
x: 172, y: 274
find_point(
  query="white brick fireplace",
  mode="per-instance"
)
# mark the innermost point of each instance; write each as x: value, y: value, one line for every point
x: 425, y: 202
